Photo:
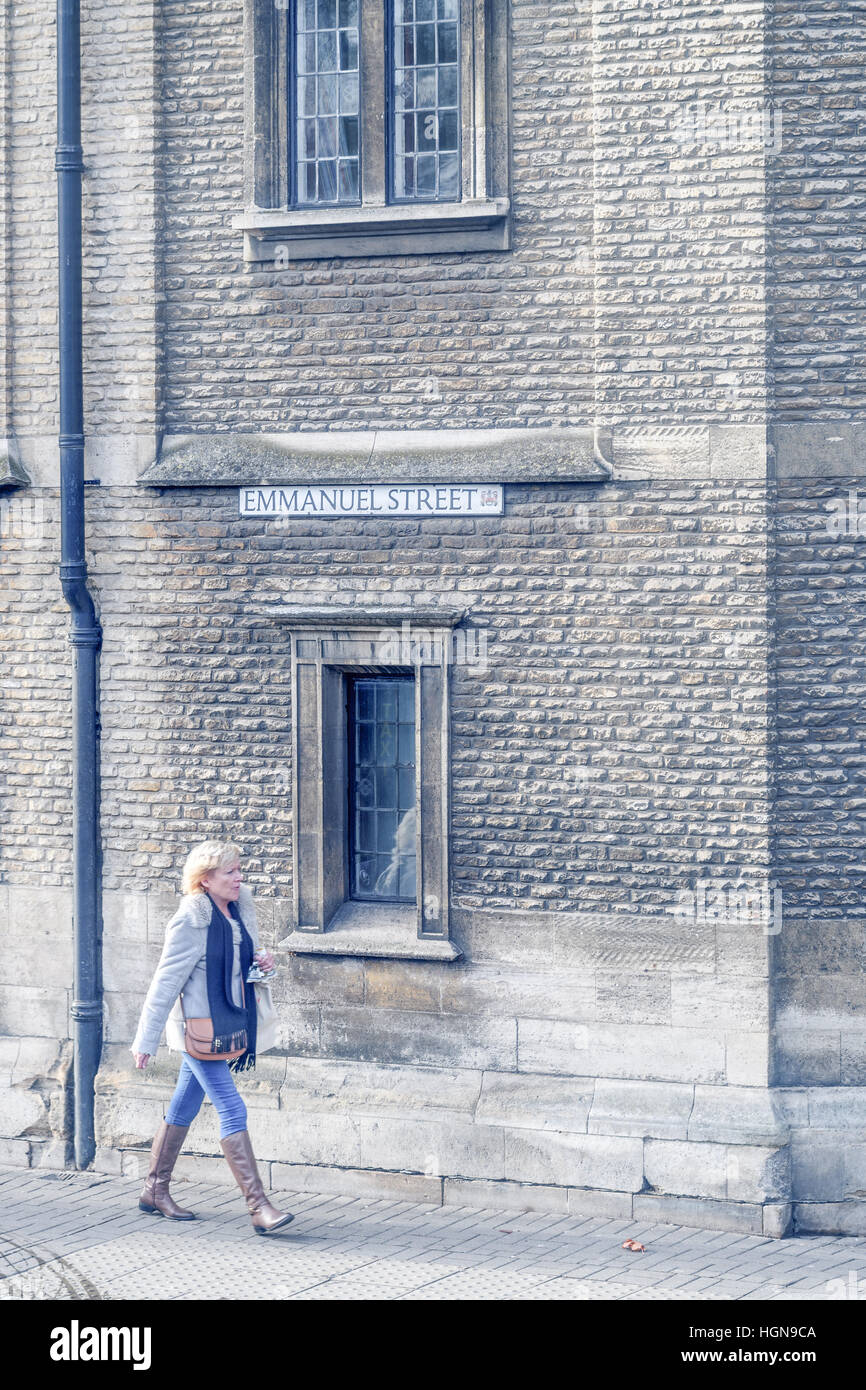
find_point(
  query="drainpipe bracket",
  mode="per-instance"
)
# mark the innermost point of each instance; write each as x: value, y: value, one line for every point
x: 86, y: 1008
x: 69, y: 157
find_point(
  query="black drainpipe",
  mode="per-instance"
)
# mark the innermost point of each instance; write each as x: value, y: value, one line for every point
x: 85, y: 633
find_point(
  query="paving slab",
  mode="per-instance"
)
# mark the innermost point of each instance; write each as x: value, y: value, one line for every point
x: 73, y: 1236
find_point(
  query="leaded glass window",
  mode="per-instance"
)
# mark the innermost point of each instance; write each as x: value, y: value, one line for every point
x: 425, y: 72
x: 327, y: 101
x: 382, y: 787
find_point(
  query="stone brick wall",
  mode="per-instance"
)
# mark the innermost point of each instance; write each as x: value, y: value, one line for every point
x: 610, y: 748
x: 592, y: 1050
x: 819, y: 811
x: 495, y: 338
x: 5, y: 224
x: 817, y: 207
x: 680, y: 225
x: 31, y: 137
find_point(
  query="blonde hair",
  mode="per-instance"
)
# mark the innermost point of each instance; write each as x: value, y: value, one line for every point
x: 210, y: 854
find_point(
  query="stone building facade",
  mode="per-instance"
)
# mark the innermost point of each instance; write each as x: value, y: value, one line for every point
x: 630, y: 980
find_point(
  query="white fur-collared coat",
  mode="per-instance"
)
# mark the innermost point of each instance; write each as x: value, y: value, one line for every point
x: 182, y: 968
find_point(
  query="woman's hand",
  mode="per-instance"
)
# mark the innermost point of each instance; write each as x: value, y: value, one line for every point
x: 265, y: 960
x: 141, y: 1059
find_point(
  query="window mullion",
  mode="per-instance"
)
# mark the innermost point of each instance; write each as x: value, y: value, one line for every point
x: 373, y: 103
x: 468, y: 89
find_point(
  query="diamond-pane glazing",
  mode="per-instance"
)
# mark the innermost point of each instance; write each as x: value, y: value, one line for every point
x: 426, y: 100
x: 327, y: 101
x: 382, y: 791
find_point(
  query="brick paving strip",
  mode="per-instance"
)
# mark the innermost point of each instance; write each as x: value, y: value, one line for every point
x: 71, y: 1235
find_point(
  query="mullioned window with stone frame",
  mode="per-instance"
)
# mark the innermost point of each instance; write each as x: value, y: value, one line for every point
x: 363, y: 137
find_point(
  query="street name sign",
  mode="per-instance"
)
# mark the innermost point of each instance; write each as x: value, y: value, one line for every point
x: 372, y: 500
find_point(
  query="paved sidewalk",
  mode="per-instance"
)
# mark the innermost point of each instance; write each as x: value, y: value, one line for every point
x: 70, y: 1235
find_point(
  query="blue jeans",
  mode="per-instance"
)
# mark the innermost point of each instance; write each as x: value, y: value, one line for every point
x: 216, y: 1081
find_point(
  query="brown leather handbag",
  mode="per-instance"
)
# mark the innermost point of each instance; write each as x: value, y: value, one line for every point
x: 198, y: 1036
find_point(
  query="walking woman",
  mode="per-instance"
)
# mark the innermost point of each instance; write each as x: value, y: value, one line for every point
x: 210, y: 944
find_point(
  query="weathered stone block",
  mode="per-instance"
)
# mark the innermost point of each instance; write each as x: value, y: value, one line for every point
x: 830, y: 1218
x: 777, y: 1220
x: 21, y: 1111
x: 633, y: 943
x: 831, y: 999
x: 15, y: 1153
x: 469, y: 988
x: 510, y: 1196
x: 809, y: 946
x: 34, y: 1011
x: 37, y: 913
x: 683, y: 1169
x: 308, y: 1138
x: 127, y: 969
x: 626, y: 1050
x: 729, y: 1002
x: 124, y: 919
x: 574, y: 1160
x: 357, y: 1182
x: 299, y: 1029
x: 534, y: 1102
x: 435, y: 1149
x: 108, y: 1161
x: 654, y: 1108
x: 38, y: 963
x: 744, y: 951
x: 162, y: 904
x: 121, y: 1011
x: 807, y: 1057
x: 748, y: 1058
x: 399, y: 1035
x: 203, y: 1168
x: 393, y: 984
x: 837, y: 1107
x: 759, y: 1174
x: 608, y: 1205
x: 9, y: 1050
x: 318, y: 979
x: 817, y: 1167
x: 127, y: 1120
x: 792, y: 1106
x: 737, y: 1115
x: 505, y: 936
x: 41, y: 1058
x: 57, y: 1152
x: 713, y: 1215
x: 853, y: 1059
x: 633, y: 997
x: 366, y: 1088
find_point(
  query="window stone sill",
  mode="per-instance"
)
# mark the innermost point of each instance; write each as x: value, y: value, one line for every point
x: 384, y: 930
x: 278, y: 235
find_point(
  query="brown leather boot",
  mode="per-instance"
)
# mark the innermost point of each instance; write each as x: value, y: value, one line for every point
x: 240, y: 1157
x: 155, y: 1196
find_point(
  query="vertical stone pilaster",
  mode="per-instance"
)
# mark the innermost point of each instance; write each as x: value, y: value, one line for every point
x: 122, y: 279
x: 5, y: 236
x: 680, y: 255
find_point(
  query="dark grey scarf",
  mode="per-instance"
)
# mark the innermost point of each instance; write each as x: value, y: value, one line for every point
x: 233, y: 1025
